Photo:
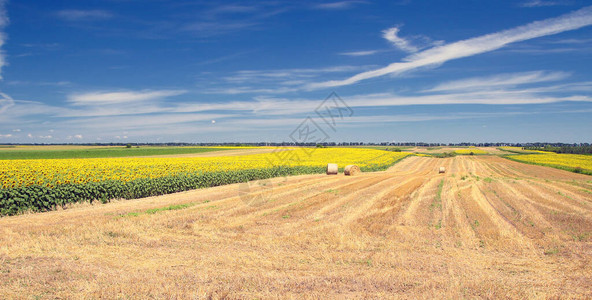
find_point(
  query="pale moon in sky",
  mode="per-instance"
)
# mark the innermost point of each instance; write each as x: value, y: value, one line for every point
x: 213, y: 121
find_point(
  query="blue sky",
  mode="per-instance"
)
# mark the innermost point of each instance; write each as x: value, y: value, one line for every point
x: 201, y: 71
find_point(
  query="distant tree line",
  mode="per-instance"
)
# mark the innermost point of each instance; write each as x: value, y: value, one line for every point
x: 327, y: 144
x: 563, y: 149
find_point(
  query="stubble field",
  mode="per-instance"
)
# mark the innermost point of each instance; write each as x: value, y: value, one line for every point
x: 488, y: 227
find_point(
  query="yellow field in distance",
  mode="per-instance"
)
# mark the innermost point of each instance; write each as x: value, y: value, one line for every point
x: 469, y: 150
x: 557, y: 160
x: 53, y: 172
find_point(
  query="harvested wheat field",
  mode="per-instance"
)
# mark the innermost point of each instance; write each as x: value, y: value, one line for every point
x: 488, y: 227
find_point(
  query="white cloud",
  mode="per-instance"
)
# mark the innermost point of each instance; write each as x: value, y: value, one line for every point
x: 20, y: 108
x: 232, y: 9
x: 267, y: 81
x: 16, y: 130
x: 360, y: 53
x: 473, y: 46
x: 249, y: 90
x: 138, y: 108
x: 193, y: 118
x: 540, y: 3
x: 126, y: 124
x: 502, y: 97
x: 100, y: 98
x: 3, y: 22
x: 226, y: 18
x: 401, y: 43
x: 507, y: 89
x: 5, y: 102
x: 5, y: 135
x: 337, y: 5
x: 41, y: 83
x: 571, y: 41
x: 83, y: 15
x: 256, y: 76
x: 208, y: 29
x: 496, y: 81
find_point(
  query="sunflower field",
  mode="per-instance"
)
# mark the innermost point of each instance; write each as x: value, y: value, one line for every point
x: 572, y: 162
x: 44, y: 184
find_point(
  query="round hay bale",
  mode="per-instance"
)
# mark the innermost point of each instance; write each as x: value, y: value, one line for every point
x: 332, y: 169
x: 442, y: 170
x: 351, y: 170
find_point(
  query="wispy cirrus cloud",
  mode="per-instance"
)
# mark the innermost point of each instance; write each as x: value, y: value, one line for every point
x: 151, y: 115
x: 5, y: 102
x: 3, y: 22
x: 288, y: 74
x: 500, y: 89
x: 250, y: 90
x: 360, y: 53
x: 473, y: 46
x: 572, y: 41
x: 229, y: 18
x: 232, y: 9
x: 391, y: 35
x: 41, y: 83
x: 83, y: 15
x: 101, y: 98
x: 533, y: 87
x: 139, y: 121
x: 337, y: 5
x: 499, y: 80
x: 541, y: 3
x: 275, y: 81
x: 213, y: 28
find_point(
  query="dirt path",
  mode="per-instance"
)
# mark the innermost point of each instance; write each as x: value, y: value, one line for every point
x: 488, y: 227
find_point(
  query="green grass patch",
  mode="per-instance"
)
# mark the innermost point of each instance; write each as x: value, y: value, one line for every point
x: 439, y: 155
x: 581, y: 237
x: 170, y: 207
x: 439, y: 192
x: 101, y: 152
x: 438, y: 199
x: 564, y: 195
x: 470, y: 151
x: 439, y: 224
x: 159, y: 209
